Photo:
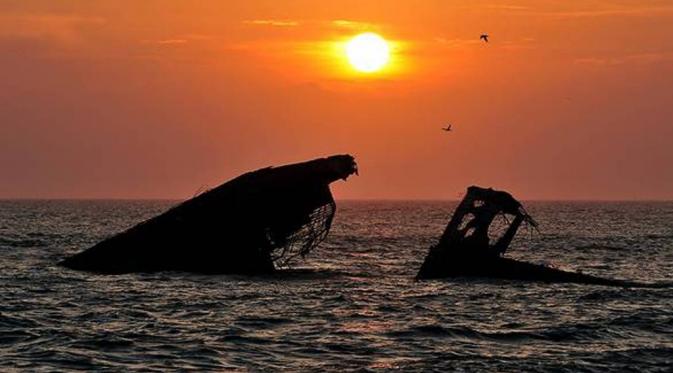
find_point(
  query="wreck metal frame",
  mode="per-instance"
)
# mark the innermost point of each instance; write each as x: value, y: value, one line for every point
x: 252, y: 224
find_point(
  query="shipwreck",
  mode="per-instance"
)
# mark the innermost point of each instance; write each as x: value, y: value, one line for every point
x: 253, y: 224
x: 477, y: 237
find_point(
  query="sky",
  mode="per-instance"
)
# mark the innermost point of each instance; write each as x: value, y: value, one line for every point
x: 161, y: 98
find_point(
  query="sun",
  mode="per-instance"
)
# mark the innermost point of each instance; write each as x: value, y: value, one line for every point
x: 368, y: 52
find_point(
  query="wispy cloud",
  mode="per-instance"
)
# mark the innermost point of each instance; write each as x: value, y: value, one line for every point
x: 523, y: 43
x: 455, y: 42
x: 272, y: 22
x: 313, y: 24
x: 172, y: 41
x: 180, y: 39
x: 64, y: 28
x: 506, y: 7
x: 625, y: 11
x: 351, y: 25
x: 639, y: 58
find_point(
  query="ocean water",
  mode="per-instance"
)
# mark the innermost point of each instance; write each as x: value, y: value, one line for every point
x: 354, y: 305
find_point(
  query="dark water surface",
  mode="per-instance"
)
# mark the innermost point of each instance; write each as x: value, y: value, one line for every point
x: 358, y: 307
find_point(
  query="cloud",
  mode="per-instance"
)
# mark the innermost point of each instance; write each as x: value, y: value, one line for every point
x: 523, y: 43
x: 172, y: 41
x: 456, y: 42
x: 314, y: 25
x: 59, y: 27
x: 506, y: 7
x: 272, y: 22
x: 632, y: 12
x: 639, y: 58
x: 180, y: 39
x: 351, y: 25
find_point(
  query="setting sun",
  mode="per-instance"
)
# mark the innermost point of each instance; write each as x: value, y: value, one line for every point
x: 368, y: 52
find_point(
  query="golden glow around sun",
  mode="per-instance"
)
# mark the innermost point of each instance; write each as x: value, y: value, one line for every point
x: 368, y: 52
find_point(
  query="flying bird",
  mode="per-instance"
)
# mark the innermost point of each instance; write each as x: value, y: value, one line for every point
x: 447, y: 128
x: 484, y: 37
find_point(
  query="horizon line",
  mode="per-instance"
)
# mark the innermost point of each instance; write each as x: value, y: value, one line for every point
x: 336, y: 199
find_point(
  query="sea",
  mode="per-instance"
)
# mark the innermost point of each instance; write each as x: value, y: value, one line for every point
x: 351, y: 305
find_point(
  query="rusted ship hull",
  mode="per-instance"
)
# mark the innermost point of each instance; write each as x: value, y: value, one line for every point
x: 468, y: 248
x: 511, y: 269
x: 244, y: 226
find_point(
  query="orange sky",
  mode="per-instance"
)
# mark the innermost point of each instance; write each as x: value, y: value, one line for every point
x: 155, y: 99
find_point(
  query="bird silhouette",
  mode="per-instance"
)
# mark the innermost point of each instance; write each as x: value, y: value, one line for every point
x: 484, y: 37
x: 447, y: 128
